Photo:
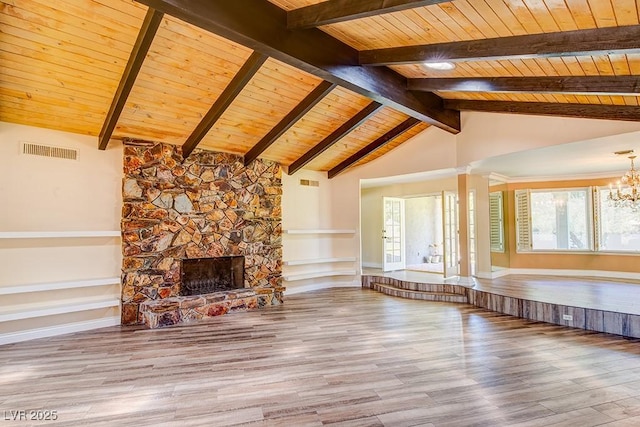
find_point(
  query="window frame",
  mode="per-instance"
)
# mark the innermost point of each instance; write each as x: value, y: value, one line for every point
x: 523, y: 221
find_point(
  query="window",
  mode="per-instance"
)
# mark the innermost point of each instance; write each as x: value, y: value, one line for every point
x: 618, y: 228
x: 554, y: 220
x: 496, y: 222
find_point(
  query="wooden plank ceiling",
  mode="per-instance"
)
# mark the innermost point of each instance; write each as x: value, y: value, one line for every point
x: 324, y: 85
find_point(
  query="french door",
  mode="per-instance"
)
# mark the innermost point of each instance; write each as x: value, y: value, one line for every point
x: 450, y: 233
x: 393, y: 234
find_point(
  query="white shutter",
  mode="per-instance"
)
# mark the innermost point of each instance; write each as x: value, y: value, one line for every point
x: 496, y: 222
x: 596, y: 192
x: 523, y: 221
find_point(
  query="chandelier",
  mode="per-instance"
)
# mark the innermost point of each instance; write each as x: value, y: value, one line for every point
x: 627, y: 193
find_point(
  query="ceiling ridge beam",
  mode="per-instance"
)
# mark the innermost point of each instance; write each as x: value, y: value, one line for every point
x: 334, y: 11
x: 594, y: 41
x: 314, y: 51
x: 602, y: 85
x: 239, y: 81
x: 334, y: 137
x: 150, y: 25
x: 373, y: 146
x: 584, y: 111
x: 315, y: 96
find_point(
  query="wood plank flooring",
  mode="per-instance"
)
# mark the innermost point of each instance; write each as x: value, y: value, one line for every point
x: 342, y: 356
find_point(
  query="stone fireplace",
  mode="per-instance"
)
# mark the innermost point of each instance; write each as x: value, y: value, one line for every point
x: 207, y: 206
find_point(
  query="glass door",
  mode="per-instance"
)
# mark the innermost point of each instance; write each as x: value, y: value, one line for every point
x: 393, y: 234
x: 450, y: 233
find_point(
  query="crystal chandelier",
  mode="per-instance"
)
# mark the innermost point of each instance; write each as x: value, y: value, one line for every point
x: 627, y: 193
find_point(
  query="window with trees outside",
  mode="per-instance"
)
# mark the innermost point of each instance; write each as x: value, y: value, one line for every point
x: 576, y: 219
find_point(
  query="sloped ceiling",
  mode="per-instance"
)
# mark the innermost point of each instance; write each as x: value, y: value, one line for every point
x: 321, y: 85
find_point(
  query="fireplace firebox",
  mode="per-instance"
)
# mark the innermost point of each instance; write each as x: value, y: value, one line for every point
x: 208, y: 275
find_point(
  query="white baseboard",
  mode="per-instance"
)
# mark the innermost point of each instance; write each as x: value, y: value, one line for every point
x: 292, y: 290
x: 558, y: 272
x: 52, y: 331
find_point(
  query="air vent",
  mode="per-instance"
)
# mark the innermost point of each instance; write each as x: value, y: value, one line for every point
x: 49, y: 151
x: 309, y: 183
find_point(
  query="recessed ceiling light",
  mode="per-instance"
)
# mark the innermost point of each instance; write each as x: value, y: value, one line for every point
x: 441, y: 66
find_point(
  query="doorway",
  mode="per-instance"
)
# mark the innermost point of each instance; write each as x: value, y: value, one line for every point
x: 424, y: 238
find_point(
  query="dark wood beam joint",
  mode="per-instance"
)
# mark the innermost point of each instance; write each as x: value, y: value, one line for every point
x: 373, y: 146
x: 150, y: 25
x: 585, y: 111
x: 596, y: 41
x: 239, y: 81
x: 333, y: 11
x: 289, y: 120
x: 334, y: 137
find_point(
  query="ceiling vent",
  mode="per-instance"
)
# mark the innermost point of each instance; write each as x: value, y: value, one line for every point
x: 309, y: 183
x: 49, y: 151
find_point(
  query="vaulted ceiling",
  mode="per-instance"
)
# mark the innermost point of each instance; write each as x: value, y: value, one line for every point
x: 325, y: 85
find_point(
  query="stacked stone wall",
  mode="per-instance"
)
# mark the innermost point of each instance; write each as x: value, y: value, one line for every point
x: 207, y: 205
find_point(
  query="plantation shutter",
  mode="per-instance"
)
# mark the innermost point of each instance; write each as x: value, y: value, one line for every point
x: 496, y: 222
x: 523, y: 221
x: 596, y: 192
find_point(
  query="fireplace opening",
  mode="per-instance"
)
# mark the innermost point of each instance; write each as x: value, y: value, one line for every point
x: 208, y: 275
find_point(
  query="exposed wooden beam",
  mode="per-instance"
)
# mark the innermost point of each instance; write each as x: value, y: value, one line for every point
x: 310, y: 50
x: 289, y: 120
x: 333, y: 11
x: 569, y: 84
x: 150, y: 25
x: 586, y: 111
x: 239, y: 81
x: 334, y: 137
x: 609, y: 40
x: 370, y: 148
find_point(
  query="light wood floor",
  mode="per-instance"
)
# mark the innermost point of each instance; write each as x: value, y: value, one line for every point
x: 345, y: 356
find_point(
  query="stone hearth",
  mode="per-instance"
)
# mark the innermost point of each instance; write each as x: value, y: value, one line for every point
x: 208, y: 205
x: 185, y: 309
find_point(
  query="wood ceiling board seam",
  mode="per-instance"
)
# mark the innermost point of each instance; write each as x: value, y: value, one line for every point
x: 23, y: 52
x: 603, y: 13
x: 581, y: 13
x: 62, y: 41
x: 70, y: 49
x: 65, y: 14
x: 59, y: 73
x: 474, y: 19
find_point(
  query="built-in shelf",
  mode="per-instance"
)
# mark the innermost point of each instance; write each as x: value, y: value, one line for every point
x: 316, y: 274
x: 28, y: 312
x: 320, y: 231
x: 40, y: 287
x: 55, y: 234
x: 318, y: 261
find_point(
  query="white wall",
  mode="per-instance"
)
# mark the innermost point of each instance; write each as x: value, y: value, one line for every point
x: 50, y: 194
x: 312, y: 208
x: 487, y: 135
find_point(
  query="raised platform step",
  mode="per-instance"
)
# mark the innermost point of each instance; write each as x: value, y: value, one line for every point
x: 424, y: 295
